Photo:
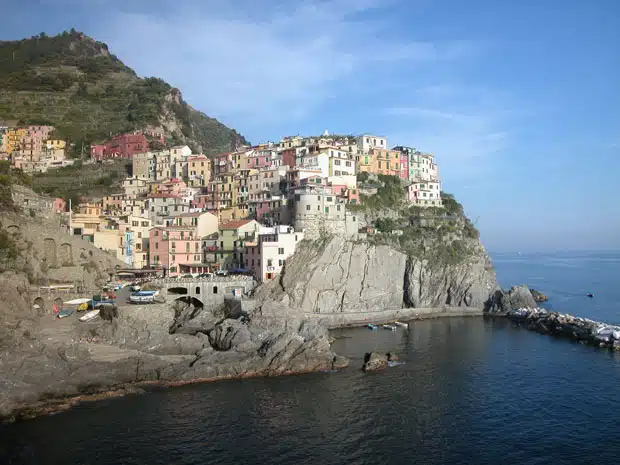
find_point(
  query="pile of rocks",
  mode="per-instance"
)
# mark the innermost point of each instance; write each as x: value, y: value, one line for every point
x: 584, y: 330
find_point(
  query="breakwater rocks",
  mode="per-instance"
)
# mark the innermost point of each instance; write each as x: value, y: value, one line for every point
x: 567, y: 326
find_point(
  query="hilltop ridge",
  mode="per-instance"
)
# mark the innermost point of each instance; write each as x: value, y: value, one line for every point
x: 75, y: 83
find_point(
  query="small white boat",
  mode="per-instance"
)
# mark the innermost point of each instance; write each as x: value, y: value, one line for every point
x: 89, y: 315
x: 77, y: 301
x: 390, y: 327
x: 401, y: 324
x: 143, y: 297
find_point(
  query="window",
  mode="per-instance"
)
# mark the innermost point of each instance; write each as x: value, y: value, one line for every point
x: 329, y: 199
x: 280, y: 262
x: 336, y: 162
x: 281, y: 251
x: 215, y: 289
x: 269, y: 262
x: 338, y: 207
x: 326, y: 209
x: 198, y: 290
x: 157, y: 245
x: 348, y: 163
x: 295, y: 237
x: 318, y: 197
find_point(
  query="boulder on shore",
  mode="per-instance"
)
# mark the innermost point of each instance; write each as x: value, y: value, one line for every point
x: 501, y: 302
x: 539, y: 296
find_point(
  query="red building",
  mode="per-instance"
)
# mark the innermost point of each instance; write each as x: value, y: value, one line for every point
x: 289, y: 157
x: 123, y: 146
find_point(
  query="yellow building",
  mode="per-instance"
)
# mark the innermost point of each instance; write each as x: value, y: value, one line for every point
x: 14, y: 138
x: 386, y: 161
x: 199, y: 171
x: 87, y: 220
x: 55, y: 144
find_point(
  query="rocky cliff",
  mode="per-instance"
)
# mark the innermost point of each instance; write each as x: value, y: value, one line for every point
x: 339, y: 275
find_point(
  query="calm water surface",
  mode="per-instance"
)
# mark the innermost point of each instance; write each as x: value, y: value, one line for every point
x: 470, y: 392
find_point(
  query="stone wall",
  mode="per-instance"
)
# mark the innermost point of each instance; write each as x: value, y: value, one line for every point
x: 314, y: 226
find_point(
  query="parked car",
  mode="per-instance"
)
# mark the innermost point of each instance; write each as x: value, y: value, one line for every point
x: 187, y: 276
x: 221, y: 273
x: 205, y: 275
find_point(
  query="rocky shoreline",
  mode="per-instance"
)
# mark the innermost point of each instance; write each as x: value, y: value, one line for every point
x: 582, y: 330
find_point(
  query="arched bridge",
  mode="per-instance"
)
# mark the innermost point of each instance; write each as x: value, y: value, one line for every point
x: 208, y: 291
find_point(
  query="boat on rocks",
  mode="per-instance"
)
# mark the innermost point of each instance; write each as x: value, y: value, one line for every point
x: 88, y: 316
x: 371, y: 327
x: 65, y: 312
x: 401, y: 324
x: 389, y: 327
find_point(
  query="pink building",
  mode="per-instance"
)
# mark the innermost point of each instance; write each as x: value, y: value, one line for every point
x: 404, y: 165
x: 113, y: 202
x: 59, y: 206
x: 40, y: 132
x: 259, y: 159
x: 174, y: 187
x: 223, y: 163
x: 123, y: 146
x: 177, y: 248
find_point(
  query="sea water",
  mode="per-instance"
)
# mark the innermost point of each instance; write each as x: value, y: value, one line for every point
x: 470, y: 391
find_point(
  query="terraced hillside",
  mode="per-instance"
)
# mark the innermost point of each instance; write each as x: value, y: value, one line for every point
x: 74, y: 83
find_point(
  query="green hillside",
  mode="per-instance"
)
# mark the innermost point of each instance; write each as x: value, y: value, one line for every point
x: 74, y: 83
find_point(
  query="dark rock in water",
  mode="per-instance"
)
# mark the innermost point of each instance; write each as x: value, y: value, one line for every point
x: 539, y: 296
x: 501, y: 302
x: 589, y: 294
x: 374, y: 361
x: 339, y: 362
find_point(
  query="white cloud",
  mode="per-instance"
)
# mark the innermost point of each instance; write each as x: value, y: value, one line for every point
x: 247, y: 61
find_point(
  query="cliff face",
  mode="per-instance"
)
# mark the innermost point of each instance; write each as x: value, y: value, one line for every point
x: 357, y: 276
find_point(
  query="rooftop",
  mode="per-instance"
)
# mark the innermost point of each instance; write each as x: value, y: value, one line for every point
x: 235, y: 224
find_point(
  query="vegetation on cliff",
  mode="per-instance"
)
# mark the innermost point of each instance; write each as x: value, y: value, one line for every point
x: 74, y: 83
x: 82, y: 180
x: 442, y: 235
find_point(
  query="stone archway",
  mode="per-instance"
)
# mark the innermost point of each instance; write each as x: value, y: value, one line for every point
x: 197, y: 303
x: 39, y: 304
x: 66, y: 254
x: 49, y: 252
x: 178, y: 291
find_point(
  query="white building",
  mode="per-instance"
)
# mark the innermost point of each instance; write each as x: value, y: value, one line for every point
x: 134, y: 187
x: 267, y: 256
x: 422, y: 167
x: 365, y: 142
x: 425, y: 193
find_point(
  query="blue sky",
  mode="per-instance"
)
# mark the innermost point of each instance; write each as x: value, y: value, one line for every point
x: 519, y: 101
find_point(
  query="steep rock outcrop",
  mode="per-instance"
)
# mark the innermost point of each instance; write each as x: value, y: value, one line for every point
x: 502, y: 302
x: 467, y: 284
x: 338, y: 275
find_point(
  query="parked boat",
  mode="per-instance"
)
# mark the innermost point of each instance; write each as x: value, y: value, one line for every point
x: 390, y: 327
x: 77, y: 301
x: 64, y: 313
x: 90, y: 315
x: 401, y: 324
x: 99, y: 303
x: 371, y: 327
